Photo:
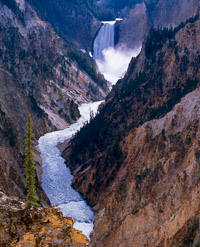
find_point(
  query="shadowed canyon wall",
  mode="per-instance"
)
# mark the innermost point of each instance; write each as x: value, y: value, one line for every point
x: 70, y: 19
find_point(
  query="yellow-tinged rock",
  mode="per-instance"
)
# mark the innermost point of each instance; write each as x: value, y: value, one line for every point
x: 38, y: 227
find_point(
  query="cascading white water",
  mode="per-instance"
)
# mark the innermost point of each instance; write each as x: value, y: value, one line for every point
x: 104, y: 39
x: 112, y: 62
x: 57, y: 178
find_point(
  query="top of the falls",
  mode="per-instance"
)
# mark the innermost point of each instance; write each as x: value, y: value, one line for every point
x: 112, y: 22
x: 108, y: 22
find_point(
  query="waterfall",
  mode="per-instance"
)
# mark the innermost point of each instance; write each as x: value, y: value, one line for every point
x: 104, y: 39
x: 112, y: 62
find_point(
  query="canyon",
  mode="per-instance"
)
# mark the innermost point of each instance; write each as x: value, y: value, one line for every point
x: 145, y: 177
x: 137, y: 162
x: 39, y: 75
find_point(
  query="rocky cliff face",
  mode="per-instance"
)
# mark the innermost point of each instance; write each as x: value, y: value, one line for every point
x: 134, y: 28
x: 39, y: 74
x: 167, y: 14
x: 36, y: 227
x: 154, y: 199
x: 136, y: 25
x: 140, y: 166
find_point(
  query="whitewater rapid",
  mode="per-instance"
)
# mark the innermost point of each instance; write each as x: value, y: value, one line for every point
x: 56, y: 177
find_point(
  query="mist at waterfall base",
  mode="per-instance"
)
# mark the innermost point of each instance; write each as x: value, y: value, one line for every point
x: 112, y: 62
x: 115, y: 62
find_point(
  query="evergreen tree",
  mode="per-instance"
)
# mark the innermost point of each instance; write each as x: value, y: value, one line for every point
x: 29, y: 166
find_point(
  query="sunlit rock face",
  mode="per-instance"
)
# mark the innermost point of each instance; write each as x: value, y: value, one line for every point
x: 172, y: 13
x: 36, y: 227
x: 155, y: 197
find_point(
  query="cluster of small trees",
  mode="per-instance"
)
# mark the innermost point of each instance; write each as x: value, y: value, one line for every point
x: 101, y: 12
x: 117, y: 5
x: 87, y: 64
x: 157, y: 37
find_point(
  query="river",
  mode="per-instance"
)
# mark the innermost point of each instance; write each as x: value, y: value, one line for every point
x: 56, y: 177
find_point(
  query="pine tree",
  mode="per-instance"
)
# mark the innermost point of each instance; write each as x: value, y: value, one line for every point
x: 29, y: 166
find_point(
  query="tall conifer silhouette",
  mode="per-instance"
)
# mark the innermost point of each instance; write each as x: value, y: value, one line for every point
x: 29, y: 166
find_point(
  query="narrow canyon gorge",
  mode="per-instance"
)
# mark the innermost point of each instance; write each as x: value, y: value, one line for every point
x: 113, y: 89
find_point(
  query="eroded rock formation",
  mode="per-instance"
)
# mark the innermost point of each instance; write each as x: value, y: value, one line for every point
x: 154, y: 199
x: 139, y: 168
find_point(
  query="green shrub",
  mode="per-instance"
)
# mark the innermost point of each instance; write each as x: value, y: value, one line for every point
x: 135, y: 211
x: 13, y: 229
